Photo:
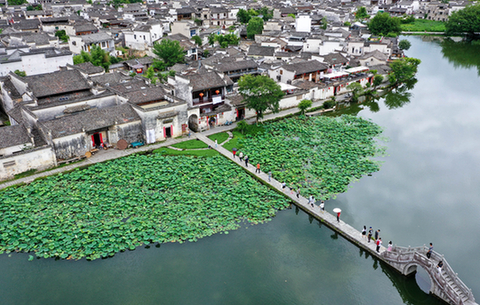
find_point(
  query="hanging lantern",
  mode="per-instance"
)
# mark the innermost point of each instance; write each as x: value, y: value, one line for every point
x: 217, y: 91
x: 201, y: 94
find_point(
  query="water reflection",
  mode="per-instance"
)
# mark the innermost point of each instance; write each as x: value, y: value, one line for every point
x: 407, y: 288
x: 461, y: 54
x: 394, y: 98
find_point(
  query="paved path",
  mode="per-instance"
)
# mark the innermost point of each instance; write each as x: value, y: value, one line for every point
x: 330, y: 220
x: 100, y: 156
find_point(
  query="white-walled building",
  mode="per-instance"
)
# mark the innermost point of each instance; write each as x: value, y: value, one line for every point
x: 143, y: 37
x: 85, y: 42
x: 303, y: 23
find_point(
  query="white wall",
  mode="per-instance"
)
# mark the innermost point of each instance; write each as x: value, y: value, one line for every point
x: 30, y: 159
x: 37, y: 64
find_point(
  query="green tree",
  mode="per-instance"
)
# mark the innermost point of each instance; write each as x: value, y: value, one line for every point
x: 20, y: 73
x: 243, y: 16
x: 62, y: 35
x: 403, y: 69
x: 83, y: 57
x: 292, y: 15
x: 159, y: 65
x: 356, y: 89
x: 377, y: 80
x: 255, y: 26
x: 150, y: 74
x: 197, y: 40
x: 383, y: 24
x: 99, y: 57
x: 266, y: 13
x: 346, y: 23
x: 324, y: 23
x: 404, y: 44
x: 227, y: 40
x: 16, y: 2
x: 34, y: 8
x: 304, y: 105
x: 361, y: 13
x: 261, y: 93
x: 114, y: 60
x: 206, y: 53
x: 464, y: 21
x: 169, y: 51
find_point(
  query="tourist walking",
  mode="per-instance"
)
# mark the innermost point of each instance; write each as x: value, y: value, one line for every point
x: 389, y: 246
x: 216, y: 143
x: 322, y: 206
x: 257, y: 171
x: 338, y: 216
x: 364, y: 232
x: 298, y: 193
x: 370, y: 232
x: 234, y: 152
x: 376, y: 234
x: 269, y: 176
x: 284, y: 185
x: 240, y: 156
x: 246, y: 161
x: 379, y: 243
x: 430, y: 250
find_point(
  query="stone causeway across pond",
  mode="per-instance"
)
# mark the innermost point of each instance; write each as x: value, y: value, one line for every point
x: 445, y: 285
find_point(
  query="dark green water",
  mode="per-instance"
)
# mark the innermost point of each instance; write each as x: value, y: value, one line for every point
x: 426, y: 191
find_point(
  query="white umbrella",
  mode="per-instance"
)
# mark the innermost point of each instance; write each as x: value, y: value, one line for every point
x: 337, y: 210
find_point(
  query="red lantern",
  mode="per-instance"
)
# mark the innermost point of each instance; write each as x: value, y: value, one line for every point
x: 217, y: 91
x: 201, y: 94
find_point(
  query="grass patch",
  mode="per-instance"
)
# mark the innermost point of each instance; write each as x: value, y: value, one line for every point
x: 25, y: 174
x: 422, y: 25
x: 233, y: 143
x: 198, y: 153
x: 220, y: 137
x: 190, y: 144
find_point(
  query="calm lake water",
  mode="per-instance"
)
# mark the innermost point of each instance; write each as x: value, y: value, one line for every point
x: 426, y: 191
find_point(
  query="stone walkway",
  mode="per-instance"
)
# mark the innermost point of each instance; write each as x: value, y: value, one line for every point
x: 325, y: 217
x: 100, y: 156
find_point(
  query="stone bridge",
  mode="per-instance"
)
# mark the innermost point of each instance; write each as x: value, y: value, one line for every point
x: 445, y: 284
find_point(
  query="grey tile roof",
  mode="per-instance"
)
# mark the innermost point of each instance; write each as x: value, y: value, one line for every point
x: 57, y: 82
x: 145, y: 95
x: 14, y: 135
x: 256, y: 50
x: 111, y: 78
x: 96, y: 37
x: 306, y: 67
x: 89, y: 68
x: 206, y: 81
x: 233, y: 65
x: 91, y: 120
x: 184, y: 41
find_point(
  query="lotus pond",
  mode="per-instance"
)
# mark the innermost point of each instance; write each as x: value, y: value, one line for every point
x: 137, y: 200
x: 321, y: 155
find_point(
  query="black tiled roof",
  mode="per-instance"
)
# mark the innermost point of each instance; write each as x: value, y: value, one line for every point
x: 14, y: 135
x: 56, y: 83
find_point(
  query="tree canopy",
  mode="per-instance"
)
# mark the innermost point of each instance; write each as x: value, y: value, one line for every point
x: 16, y: 2
x: 169, y: 51
x: 255, y: 26
x: 304, y: 105
x: 224, y: 40
x: 97, y: 57
x: 244, y: 16
x: 261, y: 93
x: 383, y: 24
x: 464, y: 21
x: 404, y: 44
x: 403, y: 69
x: 197, y: 40
x: 62, y: 35
x: 361, y: 13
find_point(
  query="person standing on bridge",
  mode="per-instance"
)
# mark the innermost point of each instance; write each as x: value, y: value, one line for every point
x: 246, y: 161
x: 379, y: 244
x: 389, y: 246
x: 430, y: 250
x: 269, y: 176
x: 284, y: 185
x: 338, y: 216
x: 298, y: 193
x: 234, y: 152
x: 322, y: 205
x: 257, y: 171
x: 376, y: 234
x: 240, y: 156
x: 364, y: 232
x: 370, y: 232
